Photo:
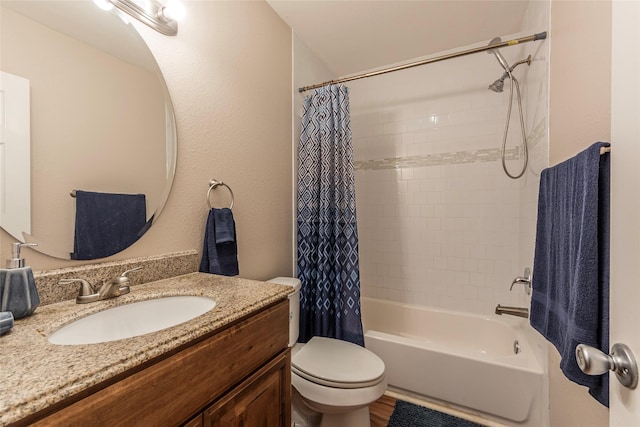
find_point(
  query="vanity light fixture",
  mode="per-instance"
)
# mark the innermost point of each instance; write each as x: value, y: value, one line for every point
x: 162, y: 18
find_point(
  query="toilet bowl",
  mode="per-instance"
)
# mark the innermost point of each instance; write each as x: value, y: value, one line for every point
x: 333, y: 381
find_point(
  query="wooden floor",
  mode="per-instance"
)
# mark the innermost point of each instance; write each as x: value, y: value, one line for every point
x: 380, y: 411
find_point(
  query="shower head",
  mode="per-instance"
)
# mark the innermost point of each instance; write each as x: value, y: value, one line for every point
x: 497, y: 53
x: 497, y: 86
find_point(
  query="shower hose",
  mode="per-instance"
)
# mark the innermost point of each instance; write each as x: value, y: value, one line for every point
x: 515, y: 83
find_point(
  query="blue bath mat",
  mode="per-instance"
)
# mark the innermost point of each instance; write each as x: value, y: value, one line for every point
x: 407, y: 414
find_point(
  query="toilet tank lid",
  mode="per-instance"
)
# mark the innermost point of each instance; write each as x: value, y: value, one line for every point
x: 287, y: 281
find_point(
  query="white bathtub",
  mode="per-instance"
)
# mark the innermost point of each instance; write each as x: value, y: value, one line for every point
x: 463, y: 359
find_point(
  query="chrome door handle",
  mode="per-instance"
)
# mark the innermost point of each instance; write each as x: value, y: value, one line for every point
x: 621, y: 361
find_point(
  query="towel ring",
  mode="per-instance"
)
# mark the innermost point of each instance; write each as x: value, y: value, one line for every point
x: 213, y: 184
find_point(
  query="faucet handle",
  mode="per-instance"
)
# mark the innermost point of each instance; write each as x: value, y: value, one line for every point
x: 86, y: 292
x: 122, y: 279
x: 130, y: 271
x: 85, y: 288
x: 523, y: 280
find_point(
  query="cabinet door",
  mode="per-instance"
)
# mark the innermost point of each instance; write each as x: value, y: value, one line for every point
x: 263, y: 400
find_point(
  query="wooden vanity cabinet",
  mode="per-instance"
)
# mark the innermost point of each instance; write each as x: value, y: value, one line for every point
x: 262, y: 400
x: 241, y: 376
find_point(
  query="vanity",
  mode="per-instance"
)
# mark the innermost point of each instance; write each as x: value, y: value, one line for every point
x: 229, y: 366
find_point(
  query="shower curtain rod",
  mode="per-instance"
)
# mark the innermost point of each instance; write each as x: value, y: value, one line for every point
x: 531, y: 38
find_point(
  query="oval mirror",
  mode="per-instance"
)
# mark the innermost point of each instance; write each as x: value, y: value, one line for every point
x: 84, y: 107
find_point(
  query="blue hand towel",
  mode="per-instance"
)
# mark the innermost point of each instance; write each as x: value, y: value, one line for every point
x: 570, y: 301
x: 107, y: 223
x: 225, y: 226
x: 220, y: 249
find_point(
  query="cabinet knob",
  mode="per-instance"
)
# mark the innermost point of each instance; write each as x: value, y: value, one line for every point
x: 621, y: 361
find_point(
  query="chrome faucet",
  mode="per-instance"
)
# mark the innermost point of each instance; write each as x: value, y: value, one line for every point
x: 112, y: 288
x: 512, y: 311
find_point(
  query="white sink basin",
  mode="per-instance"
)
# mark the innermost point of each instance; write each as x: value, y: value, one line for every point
x: 131, y: 320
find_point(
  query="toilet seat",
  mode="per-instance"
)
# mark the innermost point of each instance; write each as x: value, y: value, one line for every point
x: 338, y: 364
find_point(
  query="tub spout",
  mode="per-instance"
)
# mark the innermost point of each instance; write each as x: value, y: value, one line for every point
x: 513, y: 311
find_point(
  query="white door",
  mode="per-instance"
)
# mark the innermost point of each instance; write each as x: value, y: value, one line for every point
x: 15, y: 155
x: 625, y: 200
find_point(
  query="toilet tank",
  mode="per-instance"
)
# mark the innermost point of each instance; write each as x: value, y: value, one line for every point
x: 294, y: 306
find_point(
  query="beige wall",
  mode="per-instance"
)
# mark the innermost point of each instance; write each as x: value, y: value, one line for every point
x: 580, y: 106
x: 580, y: 113
x: 229, y: 74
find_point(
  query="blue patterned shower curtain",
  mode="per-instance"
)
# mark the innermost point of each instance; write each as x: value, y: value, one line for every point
x: 327, y: 232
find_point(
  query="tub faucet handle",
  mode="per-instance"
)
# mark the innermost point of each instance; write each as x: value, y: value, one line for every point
x: 523, y: 280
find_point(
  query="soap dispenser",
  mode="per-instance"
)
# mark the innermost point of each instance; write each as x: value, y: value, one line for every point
x: 18, y: 292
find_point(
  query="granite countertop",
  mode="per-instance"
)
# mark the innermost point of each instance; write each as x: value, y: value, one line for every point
x: 35, y: 374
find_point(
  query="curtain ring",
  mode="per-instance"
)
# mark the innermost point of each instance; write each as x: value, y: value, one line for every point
x: 213, y: 184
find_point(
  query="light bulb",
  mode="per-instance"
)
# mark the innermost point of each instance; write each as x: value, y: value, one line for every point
x: 174, y: 10
x: 103, y: 4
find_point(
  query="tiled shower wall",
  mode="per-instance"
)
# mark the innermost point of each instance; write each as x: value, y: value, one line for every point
x: 438, y: 220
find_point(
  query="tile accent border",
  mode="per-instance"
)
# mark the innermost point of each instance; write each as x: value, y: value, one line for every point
x: 154, y: 268
x: 439, y: 159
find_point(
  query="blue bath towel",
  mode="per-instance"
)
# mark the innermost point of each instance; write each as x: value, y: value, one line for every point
x: 107, y: 223
x: 570, y: 301
x: 220, y: 249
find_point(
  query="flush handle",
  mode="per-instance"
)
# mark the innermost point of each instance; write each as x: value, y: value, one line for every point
x: 621, y: 361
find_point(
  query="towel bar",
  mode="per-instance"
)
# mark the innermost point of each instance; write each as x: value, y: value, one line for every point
x: 213, y: 184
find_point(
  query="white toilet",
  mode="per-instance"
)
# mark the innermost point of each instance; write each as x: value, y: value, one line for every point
x: 333, y: 381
